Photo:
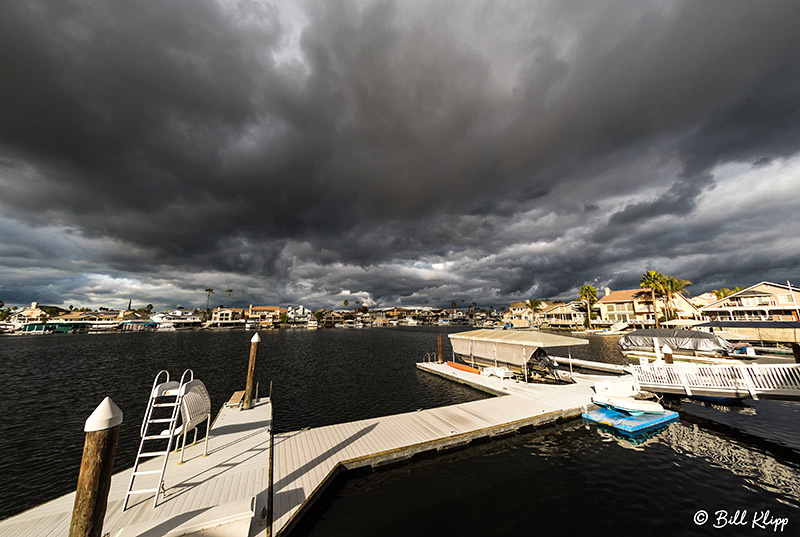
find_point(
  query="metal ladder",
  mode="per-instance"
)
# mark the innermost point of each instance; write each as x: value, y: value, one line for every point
x: 161, y: 391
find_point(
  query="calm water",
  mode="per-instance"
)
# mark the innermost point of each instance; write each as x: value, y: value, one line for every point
x: 568, y: 477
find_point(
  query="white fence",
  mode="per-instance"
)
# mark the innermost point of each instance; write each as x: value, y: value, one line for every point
x: 751, y: 380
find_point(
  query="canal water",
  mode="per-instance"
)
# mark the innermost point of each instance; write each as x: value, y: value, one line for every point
x: 568, y: 477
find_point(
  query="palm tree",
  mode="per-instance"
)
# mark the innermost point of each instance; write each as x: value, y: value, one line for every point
x: 673, y: 287
x: 722, y: 293
x: 589, y: 295
x: 654, y: 281
x: 208, y: 296
x: 346, y: 303
x: 534, y: 304
x: 229, y: 291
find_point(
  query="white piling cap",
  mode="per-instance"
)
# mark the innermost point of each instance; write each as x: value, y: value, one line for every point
x: 105, y: 416
x: 255, y: 338
x: 666, y: 349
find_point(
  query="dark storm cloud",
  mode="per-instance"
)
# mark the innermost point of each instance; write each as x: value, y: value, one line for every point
x: 313, y: 150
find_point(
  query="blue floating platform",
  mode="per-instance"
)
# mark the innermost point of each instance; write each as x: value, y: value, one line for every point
x: 626, y: 423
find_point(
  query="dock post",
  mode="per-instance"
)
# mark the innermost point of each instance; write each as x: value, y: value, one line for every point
x: 666, y: 350
x: 440, y: 349
x: 250, y: 388
x: 94, y: 479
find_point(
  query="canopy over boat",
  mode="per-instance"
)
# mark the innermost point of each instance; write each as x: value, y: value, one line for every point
x: 514, y: 348
x: 678, y: 340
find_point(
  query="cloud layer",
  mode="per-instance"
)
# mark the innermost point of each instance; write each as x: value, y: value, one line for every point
x: 394, y: 151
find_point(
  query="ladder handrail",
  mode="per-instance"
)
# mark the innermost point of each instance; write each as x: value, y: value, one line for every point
x: 159, y: 389
x: 152, y: 391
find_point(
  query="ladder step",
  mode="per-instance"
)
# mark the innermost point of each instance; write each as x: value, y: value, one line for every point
x: 156, y: 437
x: 164, y: 404
x: 160, y: 420
x: 153, y: 454
x: 143, y: 472
x: 141, y: 491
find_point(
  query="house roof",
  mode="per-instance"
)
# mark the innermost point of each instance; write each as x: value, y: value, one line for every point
x: 747, y: 292
x: 265, y: 308
x: 623, y: 295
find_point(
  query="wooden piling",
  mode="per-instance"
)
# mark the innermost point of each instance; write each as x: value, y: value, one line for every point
x: 94, y: 479
x: 250, y: 388
x: 440, y: 349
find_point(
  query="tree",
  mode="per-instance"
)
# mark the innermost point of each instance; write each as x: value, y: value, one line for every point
x: 346, y: 303
x: 534, y: 304
x: 724, y: 292
x: 672, y: 287
x: 589, y: 295
x: 453, y: 304
x: 654, y: 281
x: 208, y: 296
x: 229, y: 291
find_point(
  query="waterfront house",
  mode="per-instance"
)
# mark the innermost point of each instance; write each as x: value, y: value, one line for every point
x: 634, y: 306
x: 33, y: 314
x: 178, y: 318
x: 298, y: 315
x: 227, y: 317
x: 564, y: 315
x: 263, y: 316
x: 521, y: 315
x: 764, y: 301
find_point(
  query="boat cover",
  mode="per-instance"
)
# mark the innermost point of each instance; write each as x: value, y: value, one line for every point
x: 685, y: 340
x: 507, y: 346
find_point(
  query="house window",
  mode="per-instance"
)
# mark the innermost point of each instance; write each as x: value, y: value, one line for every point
x: 786, y: 299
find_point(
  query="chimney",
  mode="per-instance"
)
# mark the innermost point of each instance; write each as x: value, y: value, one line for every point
x: 34, y: 305
x: 608, y: 291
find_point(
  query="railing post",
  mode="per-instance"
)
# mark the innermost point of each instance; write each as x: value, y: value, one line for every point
x: 250, y: 387
x: 683, y: 378
x: 440, y: 349
x: 94, y: 479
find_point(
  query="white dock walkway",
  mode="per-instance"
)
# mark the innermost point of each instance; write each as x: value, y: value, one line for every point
x: 226, y: 493
x: 204, y: 492
x: 306, y: 460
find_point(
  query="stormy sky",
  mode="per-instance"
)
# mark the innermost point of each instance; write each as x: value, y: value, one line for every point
x: 411, y: 153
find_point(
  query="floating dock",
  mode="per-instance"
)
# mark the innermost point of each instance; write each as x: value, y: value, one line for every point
x: 307, y: 460
x: 627, y: 423
x: 228, y: 492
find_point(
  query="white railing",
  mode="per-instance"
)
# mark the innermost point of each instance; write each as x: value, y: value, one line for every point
x: 781, y: 381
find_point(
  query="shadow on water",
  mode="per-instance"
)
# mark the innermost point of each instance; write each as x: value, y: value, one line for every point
x: 573, y: 478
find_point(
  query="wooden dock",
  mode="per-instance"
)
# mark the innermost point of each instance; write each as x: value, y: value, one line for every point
x: 227, y: 493
x: 307, y: 460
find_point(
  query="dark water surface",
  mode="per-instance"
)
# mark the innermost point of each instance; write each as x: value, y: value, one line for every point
x: 567, y: 478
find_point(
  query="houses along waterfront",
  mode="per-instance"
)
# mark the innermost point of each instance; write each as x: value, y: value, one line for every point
x: 763, y: 302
